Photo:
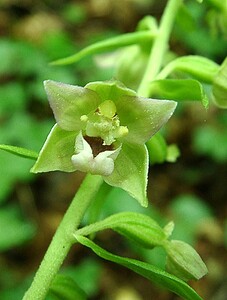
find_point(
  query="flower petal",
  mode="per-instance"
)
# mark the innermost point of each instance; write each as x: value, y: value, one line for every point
x: 143, y: 116
x: 57, y: 151
x: 69, y: 103
x: 130, y: 171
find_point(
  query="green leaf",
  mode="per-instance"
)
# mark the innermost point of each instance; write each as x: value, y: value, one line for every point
x: 179, y: 90
x: 183, y: 261
x: 220, y: 86
x: 148, y: 271
x: 135, y: 226
x: 14, y: 230
x: 57, y: 151
x: 20, y: 151
x: 130, y: 171
x: 64, y: 287
x: 109, y: 45
x: 199, y: 67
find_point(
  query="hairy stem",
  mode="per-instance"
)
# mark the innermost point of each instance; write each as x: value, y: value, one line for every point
x: 159, y: 47
x: 63, y: 238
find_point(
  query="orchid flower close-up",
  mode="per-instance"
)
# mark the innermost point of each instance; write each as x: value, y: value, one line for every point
x: 102, y: 129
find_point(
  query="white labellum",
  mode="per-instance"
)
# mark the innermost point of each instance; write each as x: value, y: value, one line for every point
x: 84, y: 160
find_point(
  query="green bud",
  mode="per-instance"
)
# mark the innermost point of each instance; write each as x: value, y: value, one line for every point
x: 183, y: 261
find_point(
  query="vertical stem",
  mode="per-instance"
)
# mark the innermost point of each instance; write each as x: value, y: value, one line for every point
x: 63, y: 238
x: 160, y: 46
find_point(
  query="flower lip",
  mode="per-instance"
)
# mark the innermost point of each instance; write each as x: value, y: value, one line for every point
x: 93, y: 160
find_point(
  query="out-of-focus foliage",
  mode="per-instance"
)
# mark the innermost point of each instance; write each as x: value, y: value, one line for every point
x: 210, y: 140
x: 72, y: 283
x: 189, y: 212
x: 23, y: 70
x: 70, y: 277
x: 14, y: 231
x: 210, y: 18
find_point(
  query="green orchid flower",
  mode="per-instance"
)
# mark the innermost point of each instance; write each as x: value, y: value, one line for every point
x: 102, y: 129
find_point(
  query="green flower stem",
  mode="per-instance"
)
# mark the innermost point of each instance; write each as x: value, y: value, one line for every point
x: 159, y: 47
x: 63, y: 238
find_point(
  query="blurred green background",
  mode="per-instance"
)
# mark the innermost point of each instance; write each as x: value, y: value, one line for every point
x: 192, y: 191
